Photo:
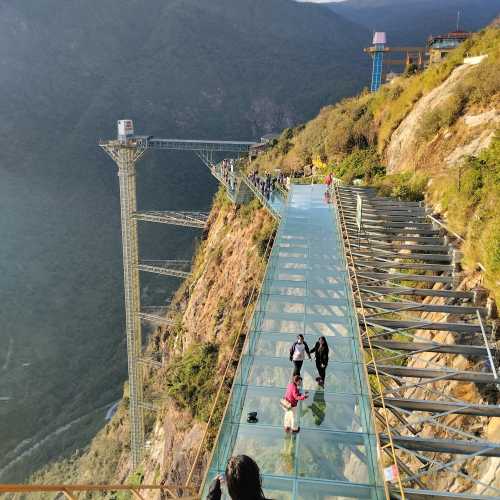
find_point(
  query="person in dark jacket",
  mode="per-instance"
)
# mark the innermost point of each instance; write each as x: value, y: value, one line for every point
x: 298, y: 353
x: 242, y: 479
x: 321, y: 352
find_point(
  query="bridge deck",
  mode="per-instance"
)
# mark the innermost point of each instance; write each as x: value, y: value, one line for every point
x: 305, y: 291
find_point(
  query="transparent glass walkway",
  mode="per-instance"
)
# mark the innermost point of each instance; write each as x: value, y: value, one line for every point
x: 334, y: 456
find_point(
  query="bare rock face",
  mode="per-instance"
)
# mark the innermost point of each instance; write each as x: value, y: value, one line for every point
x: 489, y: 472
x: 491, y: 116
x: 170, y: 450
x: 266, y: 114
x: 404, y: 139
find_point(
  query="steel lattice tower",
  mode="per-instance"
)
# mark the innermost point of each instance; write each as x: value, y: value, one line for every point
x: 125, y: 156
x: 125, y: 151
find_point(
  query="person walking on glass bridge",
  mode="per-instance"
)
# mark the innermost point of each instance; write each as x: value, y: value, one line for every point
x: 298, y: 353
x: 321, y: 353
x: 231, y: 173
x: 292, y: 397
x: 328, y: 181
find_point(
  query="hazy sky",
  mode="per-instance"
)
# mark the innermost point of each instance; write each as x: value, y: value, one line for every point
x: 319, y: 1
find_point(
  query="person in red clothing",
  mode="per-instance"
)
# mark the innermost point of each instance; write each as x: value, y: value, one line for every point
x: 293, y: 396
x: 328, y: 182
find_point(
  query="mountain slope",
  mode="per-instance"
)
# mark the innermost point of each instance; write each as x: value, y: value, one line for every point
x: 353, y: 139
x: 410, y: 23
x: 218, y: 69
x: 435, y: 134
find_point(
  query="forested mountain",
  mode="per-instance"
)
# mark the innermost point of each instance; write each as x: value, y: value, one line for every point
x: 411, y: 22
x: 68, y: 69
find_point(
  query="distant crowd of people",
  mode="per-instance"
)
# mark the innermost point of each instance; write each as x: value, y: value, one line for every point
x: 267, y: 184
x: 227, y: 172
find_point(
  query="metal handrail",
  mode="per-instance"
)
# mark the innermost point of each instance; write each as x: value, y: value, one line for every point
x: 440, y: 223
x: 69, y: 490
x: 261, y: 198
x: 448, y: 230
x: 282, y: 190
x: 486, y: 343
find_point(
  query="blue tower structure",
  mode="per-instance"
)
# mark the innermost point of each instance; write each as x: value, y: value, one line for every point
x: 378, y: 49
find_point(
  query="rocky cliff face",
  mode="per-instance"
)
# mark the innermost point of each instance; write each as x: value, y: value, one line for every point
x: 208, y: 310
x: 469, y: 135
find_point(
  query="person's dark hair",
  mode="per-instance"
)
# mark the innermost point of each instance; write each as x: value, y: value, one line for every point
x: 323, y: 344
x: 243, y: 479
x: 300, y: 336
x: 296, y: 379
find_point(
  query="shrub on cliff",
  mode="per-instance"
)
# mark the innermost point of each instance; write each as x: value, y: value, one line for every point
x: 190, y: 379
x: 404, y: 186
x: 361, y: 164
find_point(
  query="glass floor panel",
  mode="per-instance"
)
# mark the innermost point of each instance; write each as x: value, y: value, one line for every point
x: 276, y: 372
x: 334, y: 455
x: 313, y: 325
x: 278, y: 345
x: 306, y: 291
x: 303, y: 299
x: 336, y: 315
x: 322, y: 410
x: 314, y: 490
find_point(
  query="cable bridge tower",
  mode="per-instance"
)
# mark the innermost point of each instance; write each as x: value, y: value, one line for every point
x: 125, y: 151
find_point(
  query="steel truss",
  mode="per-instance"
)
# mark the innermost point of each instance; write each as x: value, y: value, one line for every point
x: 185, y: 219
x: 417, y: 330
x: 174, y: 268
x: 157, y: 315
x: 126, y: 157
x: 125, y: 154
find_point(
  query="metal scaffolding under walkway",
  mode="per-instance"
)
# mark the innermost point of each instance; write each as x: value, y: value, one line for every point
x: 427, y: 342
x: 305, y: 290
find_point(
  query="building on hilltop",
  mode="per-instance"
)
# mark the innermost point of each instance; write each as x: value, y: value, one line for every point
x: 439, y: 46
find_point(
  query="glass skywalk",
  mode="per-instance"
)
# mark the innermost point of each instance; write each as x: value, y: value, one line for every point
x: 305, y: 290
